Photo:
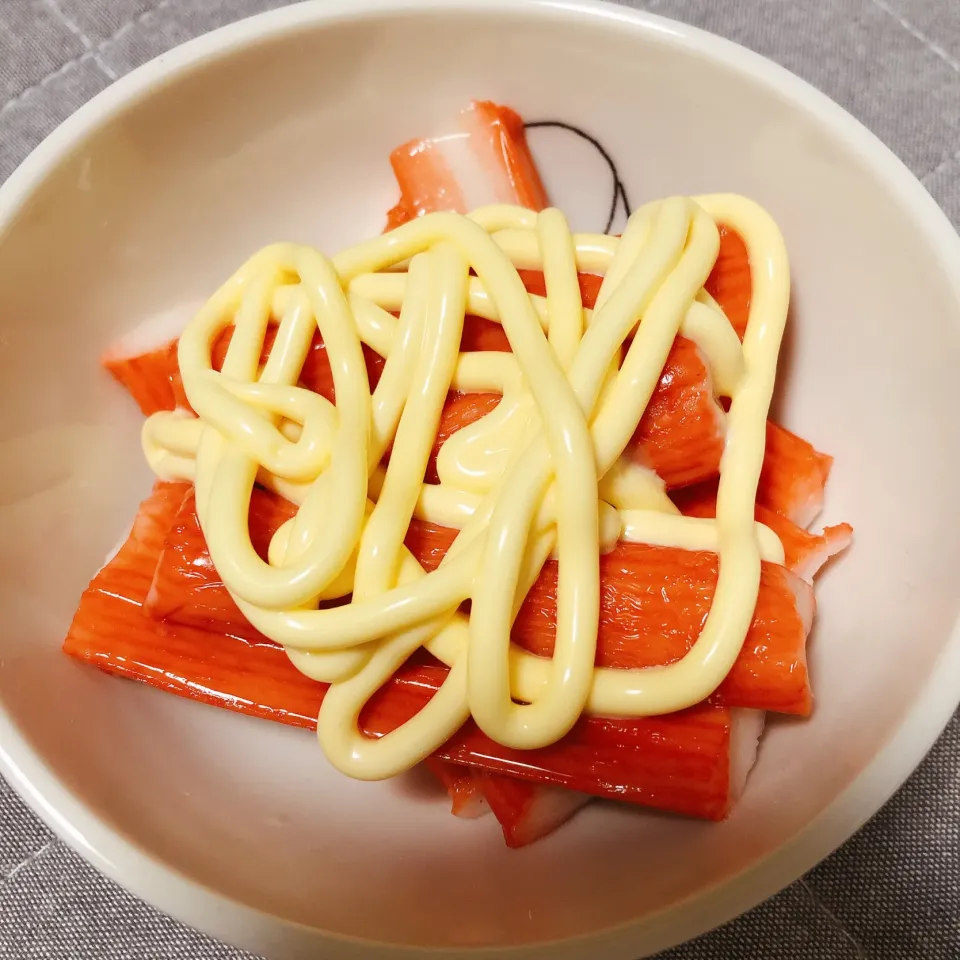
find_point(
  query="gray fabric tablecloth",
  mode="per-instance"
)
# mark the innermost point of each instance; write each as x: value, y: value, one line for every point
x: 893, y: 891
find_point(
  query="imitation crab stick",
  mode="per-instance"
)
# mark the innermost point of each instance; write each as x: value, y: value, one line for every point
x: 680, y: 435
x: 794, y: 476
x: 730, y: 283
x: 482, y: 334
x: 526, y: 811
x: 707, y: 750
x: 654, y: 600
x: 804, y: 552
x: 152, y: 376
x: 111, y: 630
x: 467, y: 799
x: 653, y: 603
x: 485, y: 160
x: 690, y: 762
x: 185, y: 587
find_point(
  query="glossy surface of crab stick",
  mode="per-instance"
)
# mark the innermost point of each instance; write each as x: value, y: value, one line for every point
x: 679, y: 762
x: 467, y: 799
x: 794, y: 476
x: 654, y: 600
x: 484, y: 159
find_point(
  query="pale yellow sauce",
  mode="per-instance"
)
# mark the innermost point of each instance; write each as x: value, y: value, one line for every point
x: 540, y: 475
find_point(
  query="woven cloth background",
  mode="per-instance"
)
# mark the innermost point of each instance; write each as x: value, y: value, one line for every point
x: 893, y: 891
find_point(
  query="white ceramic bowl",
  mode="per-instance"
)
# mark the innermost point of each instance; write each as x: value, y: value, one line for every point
x: 280, y: 127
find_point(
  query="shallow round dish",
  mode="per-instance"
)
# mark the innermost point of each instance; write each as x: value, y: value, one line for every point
x: 280, y: 128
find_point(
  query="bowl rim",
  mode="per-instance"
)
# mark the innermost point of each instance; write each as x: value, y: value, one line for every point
x: 161, y: 885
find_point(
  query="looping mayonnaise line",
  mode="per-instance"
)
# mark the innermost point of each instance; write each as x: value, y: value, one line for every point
x: 541, y: 474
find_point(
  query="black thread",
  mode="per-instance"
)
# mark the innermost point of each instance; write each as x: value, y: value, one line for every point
x: 619, y: 190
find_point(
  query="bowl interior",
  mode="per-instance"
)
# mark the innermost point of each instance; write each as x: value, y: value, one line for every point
x: 288, y: 138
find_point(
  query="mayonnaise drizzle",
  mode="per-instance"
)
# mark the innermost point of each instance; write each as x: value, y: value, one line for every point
x: 540, y: 475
